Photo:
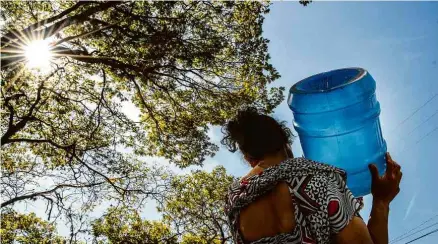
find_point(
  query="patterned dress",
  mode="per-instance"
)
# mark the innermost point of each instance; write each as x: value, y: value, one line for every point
x: 323, y: 204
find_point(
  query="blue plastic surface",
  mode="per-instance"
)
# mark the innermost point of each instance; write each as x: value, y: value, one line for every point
x: 336, y: 116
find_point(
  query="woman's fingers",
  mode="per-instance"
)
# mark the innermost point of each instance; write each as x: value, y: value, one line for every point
x: 395, y: 168
x: 388, y: 155
x: 398, y: 173
x: 374, y: 172
x: 400, y: 177
x: 389, y: 164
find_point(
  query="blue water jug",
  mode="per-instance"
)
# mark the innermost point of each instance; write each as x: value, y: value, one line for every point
x: 336, y: 116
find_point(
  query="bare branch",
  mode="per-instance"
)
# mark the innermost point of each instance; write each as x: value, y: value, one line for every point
x: 36, y: 194
x: 13, y: 129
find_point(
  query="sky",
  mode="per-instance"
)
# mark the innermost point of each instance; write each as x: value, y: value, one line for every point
x: 397, y: 42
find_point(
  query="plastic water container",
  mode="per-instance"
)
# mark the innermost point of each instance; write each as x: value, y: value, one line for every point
x: 336, y: 116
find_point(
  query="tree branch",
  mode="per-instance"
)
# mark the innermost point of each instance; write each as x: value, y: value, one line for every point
x: 13, y: 35
x: 69, y: 38
x: 13, y: 129
x: 36, y: 194
x: 28, y: 140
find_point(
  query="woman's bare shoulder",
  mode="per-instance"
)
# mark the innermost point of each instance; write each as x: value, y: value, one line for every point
x: 254, y: 171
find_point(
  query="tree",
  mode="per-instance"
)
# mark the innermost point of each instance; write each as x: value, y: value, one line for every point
x: 192, y: 212
x: 186, y: 65
x: 305, y: 2
x: 27, y: 228
x: 194, y: 206
x: 66, y: 139
x: 124, y: 225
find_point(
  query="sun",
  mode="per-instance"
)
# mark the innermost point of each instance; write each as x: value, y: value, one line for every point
x: 38, y: 54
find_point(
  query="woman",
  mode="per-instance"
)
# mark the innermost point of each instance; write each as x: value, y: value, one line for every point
x: 295, y: 200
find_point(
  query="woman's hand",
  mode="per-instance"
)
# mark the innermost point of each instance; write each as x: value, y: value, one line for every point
x: 385, y: 188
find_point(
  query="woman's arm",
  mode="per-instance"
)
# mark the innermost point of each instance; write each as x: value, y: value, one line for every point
x: 375, y: 233
x: 378, y: 222
x: 384, y: 189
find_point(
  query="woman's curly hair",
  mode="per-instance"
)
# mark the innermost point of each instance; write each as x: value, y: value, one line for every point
x: 255, y: 134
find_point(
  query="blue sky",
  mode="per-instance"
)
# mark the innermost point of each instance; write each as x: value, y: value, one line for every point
x: 397, y: 42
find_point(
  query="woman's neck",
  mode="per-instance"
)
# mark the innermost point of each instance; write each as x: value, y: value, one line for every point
x: 272, y: 160
x: 266, y: 163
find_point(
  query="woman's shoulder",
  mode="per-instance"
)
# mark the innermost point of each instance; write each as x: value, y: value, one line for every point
x: 260, y: 179
x: 245, y: 190
x: 300, y: 167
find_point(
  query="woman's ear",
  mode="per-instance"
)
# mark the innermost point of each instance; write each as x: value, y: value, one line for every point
x: 252, y: 162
